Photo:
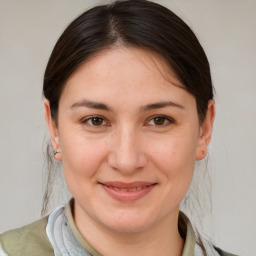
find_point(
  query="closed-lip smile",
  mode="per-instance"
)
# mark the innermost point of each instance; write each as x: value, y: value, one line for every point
x: 127, y: 192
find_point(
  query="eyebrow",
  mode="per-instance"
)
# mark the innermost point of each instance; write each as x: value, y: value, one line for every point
x: 161, y: 105
x: 91, y: 104
x: 101, y: 106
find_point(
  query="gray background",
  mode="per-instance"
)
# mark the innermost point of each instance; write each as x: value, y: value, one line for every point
x: 227, y: 31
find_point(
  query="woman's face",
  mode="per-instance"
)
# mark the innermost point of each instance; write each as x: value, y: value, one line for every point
x: 129, y: 139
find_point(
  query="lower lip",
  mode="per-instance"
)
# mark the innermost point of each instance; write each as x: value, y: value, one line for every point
x: 127, y: 196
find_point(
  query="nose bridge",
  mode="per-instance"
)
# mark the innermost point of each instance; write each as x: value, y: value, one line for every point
x: 127, y: 154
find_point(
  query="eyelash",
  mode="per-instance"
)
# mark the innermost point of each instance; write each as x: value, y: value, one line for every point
x: 167, y: 121
x: 152, y: 118
x: 88, y: 119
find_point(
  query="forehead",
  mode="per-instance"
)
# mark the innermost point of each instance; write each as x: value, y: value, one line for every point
x: 116, y: 58
x: 125, y: 74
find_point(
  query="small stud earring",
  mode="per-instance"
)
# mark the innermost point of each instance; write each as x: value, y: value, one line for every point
x: 56, y: 152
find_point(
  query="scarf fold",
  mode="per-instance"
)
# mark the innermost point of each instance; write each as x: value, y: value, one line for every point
x: 61, y: 236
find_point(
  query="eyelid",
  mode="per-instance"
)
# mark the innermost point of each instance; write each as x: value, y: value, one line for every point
x: 168, y: 118
x: 86, y: 119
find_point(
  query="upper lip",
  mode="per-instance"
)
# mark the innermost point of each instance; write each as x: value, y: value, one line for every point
x: 120, y: 184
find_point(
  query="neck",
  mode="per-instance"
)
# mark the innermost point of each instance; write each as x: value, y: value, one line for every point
x: 156, y: 240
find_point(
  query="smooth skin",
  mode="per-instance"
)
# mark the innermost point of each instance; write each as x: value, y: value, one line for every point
x: 124, y: 116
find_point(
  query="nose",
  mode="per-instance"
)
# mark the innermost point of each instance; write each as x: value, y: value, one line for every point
x: 127, y: 154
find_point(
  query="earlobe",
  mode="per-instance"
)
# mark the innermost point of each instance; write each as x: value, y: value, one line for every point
x: 206, y: 131
x: 53, y: 131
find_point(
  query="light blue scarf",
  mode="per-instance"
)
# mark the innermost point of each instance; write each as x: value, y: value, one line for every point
x: 61, y: 236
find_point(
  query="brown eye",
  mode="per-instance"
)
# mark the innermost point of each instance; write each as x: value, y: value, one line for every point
x: 96, y: 121
x: 159, y: 120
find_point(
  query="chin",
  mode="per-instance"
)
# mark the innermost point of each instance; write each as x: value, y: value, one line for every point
x: 127, y: 223
x: 128, y: 227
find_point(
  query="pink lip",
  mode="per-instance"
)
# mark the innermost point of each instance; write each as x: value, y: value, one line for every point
x: 127, y: 192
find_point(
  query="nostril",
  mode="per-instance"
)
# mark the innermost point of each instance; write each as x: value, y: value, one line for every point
x: 127, y: 164
x: 127, y: 154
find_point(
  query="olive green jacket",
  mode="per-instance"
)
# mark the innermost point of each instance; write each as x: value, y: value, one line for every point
x: 29, y: 240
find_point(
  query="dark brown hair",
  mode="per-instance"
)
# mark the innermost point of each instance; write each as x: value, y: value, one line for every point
x: 137, y: 23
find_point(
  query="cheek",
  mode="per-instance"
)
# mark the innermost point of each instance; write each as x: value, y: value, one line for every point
x: 175, y: 158
x: 82, y: 156
x: 175, y: 151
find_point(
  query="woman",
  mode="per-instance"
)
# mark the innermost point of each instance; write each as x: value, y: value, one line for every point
x: 129, y: 107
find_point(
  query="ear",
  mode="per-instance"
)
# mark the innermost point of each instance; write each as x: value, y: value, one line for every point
x: 206, y: 131
x: 53, y: 131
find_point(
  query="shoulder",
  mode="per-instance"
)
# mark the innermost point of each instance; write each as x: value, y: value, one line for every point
x: 28, y: 240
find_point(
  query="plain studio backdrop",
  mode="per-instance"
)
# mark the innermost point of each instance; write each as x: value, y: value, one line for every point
x: 227, y: 31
